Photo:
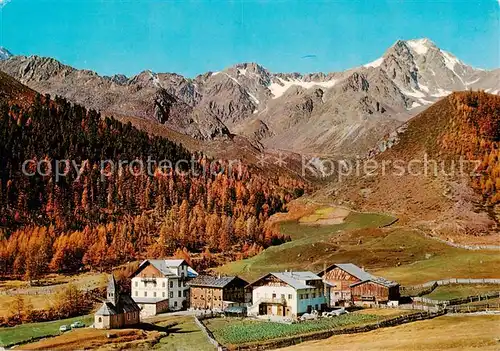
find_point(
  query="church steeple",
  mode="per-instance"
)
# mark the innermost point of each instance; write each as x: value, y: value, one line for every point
x: 112, y: 291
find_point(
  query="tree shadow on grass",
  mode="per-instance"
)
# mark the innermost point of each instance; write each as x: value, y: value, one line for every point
x: 171, y: 328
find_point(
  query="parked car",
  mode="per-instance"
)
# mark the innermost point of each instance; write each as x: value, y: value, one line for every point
x: 64, y: 328
x: 77, y: 324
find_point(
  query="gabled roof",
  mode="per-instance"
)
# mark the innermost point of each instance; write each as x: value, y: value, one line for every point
x: 107, y: 309
x: 378, y: 280
x: 125, y: 304
x: 148, y: 300
x: 296, y: 280
x: 350, y: 268
x: 215, y: 282
x: 167, y: 267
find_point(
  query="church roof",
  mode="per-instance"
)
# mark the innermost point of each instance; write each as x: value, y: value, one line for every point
x: 106, y: 309
x: 112, y: 285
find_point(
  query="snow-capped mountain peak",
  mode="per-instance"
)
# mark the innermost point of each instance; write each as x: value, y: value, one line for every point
x: 421, y: 46
x: 4, y: 53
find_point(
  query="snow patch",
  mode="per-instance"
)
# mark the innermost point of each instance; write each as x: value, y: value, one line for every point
x: 420, y: 46
x: 425, y: 102
x: 424, y: 88
x: 242, y: 71
x: 375, y: 63
x: 415, y: 105
x: 253, y: 98
x: 441, y: 93
x: 155, y: 79
x: 278, y: 89
x: 473, y: 81
x: 215, y: 73
x: 412, y: 93
x: 450, y: 61
x: 232, y: 78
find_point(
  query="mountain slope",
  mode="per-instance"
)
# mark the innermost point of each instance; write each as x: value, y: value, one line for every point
x: 339, y: 112
x: 443, y: 171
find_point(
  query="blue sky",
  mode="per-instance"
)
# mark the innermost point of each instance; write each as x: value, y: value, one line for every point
x: 192, y: 37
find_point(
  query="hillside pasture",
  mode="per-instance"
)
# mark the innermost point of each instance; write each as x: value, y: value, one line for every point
x: 457, y: 332
x: 455, y: 291
x: 43, y: 295
x: 397, y: 253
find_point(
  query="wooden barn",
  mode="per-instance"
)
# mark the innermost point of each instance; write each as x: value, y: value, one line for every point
x: 374, y: 291
x: 338, y: 279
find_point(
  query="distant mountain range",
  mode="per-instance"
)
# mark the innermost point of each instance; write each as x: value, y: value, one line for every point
x: 337, y: 113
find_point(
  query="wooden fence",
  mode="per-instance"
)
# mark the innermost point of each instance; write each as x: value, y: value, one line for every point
x: 457, y: 301
x: 458, y: 281
x: 427, y: 288
x: 473, y: 308
x: 207, y: 332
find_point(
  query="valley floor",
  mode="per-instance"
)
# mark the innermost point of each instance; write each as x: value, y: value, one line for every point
x: 449, y: 332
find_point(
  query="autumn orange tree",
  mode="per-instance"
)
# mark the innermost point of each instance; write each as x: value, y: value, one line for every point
x: 98, y: 220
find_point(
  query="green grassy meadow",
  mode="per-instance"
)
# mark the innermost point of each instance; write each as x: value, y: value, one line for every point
x: 399, y: 254
x: 184, y: 336
x: 455, y: 291
x: 25, y: 332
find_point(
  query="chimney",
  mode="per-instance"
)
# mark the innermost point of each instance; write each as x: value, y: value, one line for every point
x: 218, y: 275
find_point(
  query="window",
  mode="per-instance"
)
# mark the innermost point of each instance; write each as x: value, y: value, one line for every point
x: 100, y: 320
x: 154, y: 294
x: 136, y: 293
x: 313, y: 295
x: 307, y: 296
x: 185, y: 293
x: 289, y: 296
x: 175, y: 303
x: 163, y: 284
x: 163, y: 294
x: 282, y: 296
x: 274, y: 296
x: 179, y: 294
x: 128, y: 316
x: 145, y: 294
x: 179, y: 283
x: 171, y: 283
x: 171, y: 295
x: 136, y: 284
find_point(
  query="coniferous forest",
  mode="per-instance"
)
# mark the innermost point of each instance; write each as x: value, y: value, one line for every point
x: 98, y: 217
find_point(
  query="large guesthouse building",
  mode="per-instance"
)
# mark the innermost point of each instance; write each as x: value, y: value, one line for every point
x: 287, y: 294
x: 161, y: 285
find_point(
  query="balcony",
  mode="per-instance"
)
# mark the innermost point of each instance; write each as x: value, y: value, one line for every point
x: 274, y: 300
x: 149, y: 280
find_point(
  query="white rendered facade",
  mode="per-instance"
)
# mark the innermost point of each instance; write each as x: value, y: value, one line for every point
x: 163, y: 280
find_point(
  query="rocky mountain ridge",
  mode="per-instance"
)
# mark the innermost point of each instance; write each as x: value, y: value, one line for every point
x: 340, y: 112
